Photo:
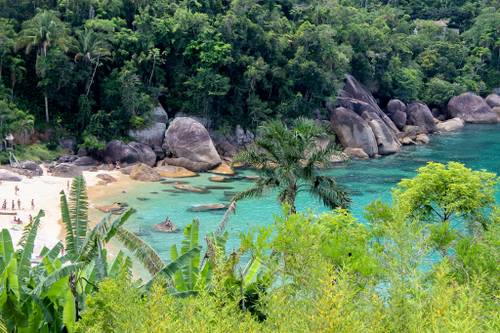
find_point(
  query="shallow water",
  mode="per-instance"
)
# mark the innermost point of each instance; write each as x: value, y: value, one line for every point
x: 477, y: 146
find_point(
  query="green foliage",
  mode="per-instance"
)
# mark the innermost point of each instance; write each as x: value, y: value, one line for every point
x: 442, y: 193
x: 288, y: 159
x: 236, y: 62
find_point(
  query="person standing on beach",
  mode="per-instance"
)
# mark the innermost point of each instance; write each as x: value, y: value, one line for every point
x: 33, y: 204
x: 4, y: 205
x: 19, y: 204
x: 16, y: 189
x: 13, y: 205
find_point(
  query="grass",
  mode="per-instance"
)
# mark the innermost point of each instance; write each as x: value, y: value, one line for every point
x: 35, y: 152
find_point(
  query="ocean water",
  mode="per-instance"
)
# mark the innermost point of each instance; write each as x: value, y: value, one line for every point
x: 477, y: 146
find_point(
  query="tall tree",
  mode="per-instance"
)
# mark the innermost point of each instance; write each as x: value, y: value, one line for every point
x: 91, y: 48
x: 288, y: 160
x: 43, y: 31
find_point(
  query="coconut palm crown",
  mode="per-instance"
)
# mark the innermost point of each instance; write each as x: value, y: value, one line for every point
x: 289, y: 160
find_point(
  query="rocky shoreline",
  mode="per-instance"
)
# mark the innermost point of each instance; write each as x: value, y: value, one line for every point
x: 183, y: 147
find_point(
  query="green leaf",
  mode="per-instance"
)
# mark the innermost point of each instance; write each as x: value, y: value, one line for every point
x: 146, y: 255
x: 57, y: 275
x: 28, y: 244
x: 70, y: 233
x: 6, y: 247
x: 251, y: 271
x: 69, y: 312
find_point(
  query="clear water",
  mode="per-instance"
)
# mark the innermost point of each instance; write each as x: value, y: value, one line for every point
x: 477, y: 146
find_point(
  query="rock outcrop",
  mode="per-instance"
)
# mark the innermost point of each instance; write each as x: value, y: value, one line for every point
x: 450, y: 125
x: 493, y: 100
x: 420, y: 115
x: 188, y: 140
x: 353, y: 131
x: 31, y: 167
x: 170, y: 171
x: 9, y: 176
x: 144, y: 173
x: 396, y: 110
x: 66, y: 170
x: 356, y: 153
x: 358, y: 99
x: 134, y: 152
x: 471, y: 108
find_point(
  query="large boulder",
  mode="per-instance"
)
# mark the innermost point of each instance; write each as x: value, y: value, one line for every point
x: 471, y: 108
x: 355, y: 97
x: 450, y: 125
x: 189, y: 142
x: 85, y: 161
x: 420, y: 115
x: 66, y: 170
x: 353, y: 131
x: 493, y: 100
x: 152, y: 135
x: 9, y: 176
x: 170, y: 171
x: 396, y: 110
x: 353, y: 89
x: 144, y: 173
x: 32, y: 167
x: 145, y: 154
x: 160, y: 115
x: 119, y: 151
x: 243, y: 137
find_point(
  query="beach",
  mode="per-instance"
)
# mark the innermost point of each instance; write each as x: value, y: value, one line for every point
x: 45, y: 193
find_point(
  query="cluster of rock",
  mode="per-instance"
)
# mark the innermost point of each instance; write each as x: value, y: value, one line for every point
x: 365, y: 130
x: 179, y: 149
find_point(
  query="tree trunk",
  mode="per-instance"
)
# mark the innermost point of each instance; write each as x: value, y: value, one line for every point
x: 46, y: 107
x: 92, y: 78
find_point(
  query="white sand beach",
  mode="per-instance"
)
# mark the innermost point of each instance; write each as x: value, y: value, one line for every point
x: 45, y: 191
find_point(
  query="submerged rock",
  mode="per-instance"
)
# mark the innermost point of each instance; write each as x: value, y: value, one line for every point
x: 115, y: 208
x: 423, y: 139
x: 207, y: 207
x: 166, y: 226
x: 217, y: 179
x: 190, y: 188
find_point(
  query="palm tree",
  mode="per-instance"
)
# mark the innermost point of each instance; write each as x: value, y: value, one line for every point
x: 91, y: 49
x: 44, y: 30
x: 288, y: 160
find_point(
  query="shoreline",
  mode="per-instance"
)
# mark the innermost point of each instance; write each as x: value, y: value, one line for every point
x: 45, y: 191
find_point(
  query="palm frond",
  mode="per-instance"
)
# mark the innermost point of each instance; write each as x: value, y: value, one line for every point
x: 141, y: 250
x: 329, y: 192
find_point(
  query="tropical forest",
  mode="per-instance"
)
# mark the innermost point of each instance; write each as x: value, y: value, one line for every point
x: 249, y: 166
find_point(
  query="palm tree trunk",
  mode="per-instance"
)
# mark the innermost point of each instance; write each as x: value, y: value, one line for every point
x: 92, y: 78
x: 46, y: 107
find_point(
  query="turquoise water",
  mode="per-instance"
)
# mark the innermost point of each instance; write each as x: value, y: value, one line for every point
x: 477, y: 146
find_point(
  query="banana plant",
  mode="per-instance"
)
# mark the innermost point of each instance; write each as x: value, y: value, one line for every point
x: 87, y: 246
x: 34, y: 298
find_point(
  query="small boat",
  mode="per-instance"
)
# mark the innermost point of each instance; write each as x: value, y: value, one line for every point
x: 166, y: 226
